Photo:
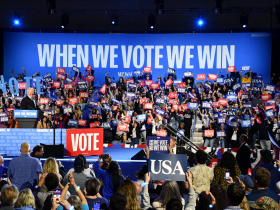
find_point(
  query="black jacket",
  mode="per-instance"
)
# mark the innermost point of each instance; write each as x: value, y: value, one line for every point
x: 137, y: 131
x: 243, y: 158
x: 28, y: 104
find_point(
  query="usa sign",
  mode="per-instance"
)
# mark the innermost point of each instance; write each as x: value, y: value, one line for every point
x: 168, y: 166
x: 84, y: 141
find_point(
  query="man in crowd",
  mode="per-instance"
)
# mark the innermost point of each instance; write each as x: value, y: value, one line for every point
x: 243, y: 155
x: 24, y: 170
x: 118, y: 202
x: 37, y: 152
x: 234, y: 196
x: 9, y: 196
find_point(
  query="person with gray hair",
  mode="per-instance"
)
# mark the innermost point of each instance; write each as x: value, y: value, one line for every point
x: 3, y: 169
x: 9, y: 196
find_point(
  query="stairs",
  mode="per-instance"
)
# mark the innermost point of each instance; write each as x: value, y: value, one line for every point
x: 197, y: 135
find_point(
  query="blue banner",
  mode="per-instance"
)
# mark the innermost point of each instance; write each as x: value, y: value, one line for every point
x: 25, y: 113
x: 73, y: 122
x: 192, y: 105
x: 246, y: 123
x: 158, y: 144
x: 269, y: 113
x: 141, y: 117
x: 168, y: 166
x: 231, y: 97
x: 123, y: 53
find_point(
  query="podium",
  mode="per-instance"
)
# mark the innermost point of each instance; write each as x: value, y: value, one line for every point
x: 27, y: 118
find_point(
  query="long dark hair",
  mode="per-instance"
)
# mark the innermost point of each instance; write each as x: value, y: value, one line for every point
x: 220, y: 194
x: 228, y: 161
x: 203, y: 203
x: 115, y: 173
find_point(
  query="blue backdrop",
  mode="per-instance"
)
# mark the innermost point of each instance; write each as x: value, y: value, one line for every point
x: 123, y: 53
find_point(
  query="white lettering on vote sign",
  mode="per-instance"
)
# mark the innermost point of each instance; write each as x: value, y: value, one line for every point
x: 84, y: 141
x: 26, y: 113
x: 158, y: 145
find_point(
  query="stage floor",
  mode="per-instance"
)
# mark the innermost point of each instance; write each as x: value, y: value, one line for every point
x: 119, y: 154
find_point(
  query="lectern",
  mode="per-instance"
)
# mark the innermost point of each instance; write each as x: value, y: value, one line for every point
x: 27, y: 118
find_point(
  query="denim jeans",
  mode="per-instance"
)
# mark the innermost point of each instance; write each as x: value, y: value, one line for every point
x: 134, y: 141
x: 209, y: 142
x: 254, y: 139
x: 265, y: 144
x: 222, y: 143
x: 143, y: 135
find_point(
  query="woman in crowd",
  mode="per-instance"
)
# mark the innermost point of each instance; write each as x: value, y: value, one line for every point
x: 209, y: 140
x: 128, y: 189
x: 111, y: 177
x: 26, y: 200
x: 227, y: 163
x: 43, y: 123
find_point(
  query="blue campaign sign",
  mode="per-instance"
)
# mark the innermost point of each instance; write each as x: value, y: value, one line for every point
x: 231, y: 97
x: 158, y: 144
x: 73, y: 122
x: 123, y: 53
x: 246, y: 123
x: 220, y: 80
x: 160, y: 112
x: 220, y: 134
x: 168, y: 166
x: 141, y: 117
x: 192, y: 105
x: 221, y: 120
x: 25, y: 113
x: 269, y: 113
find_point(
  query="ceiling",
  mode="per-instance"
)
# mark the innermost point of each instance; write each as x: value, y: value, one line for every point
x: 177, y: 16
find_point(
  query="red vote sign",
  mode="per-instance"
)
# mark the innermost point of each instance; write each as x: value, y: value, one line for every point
x: 60, y: 70
x: 154, y: 86
x: 175, y: 107
x: 269, y: 107
x: 84, y: 94
x: 22, y: 85
x: 148, y: 106
x: 56, y: 84
x: 44, y: 101
x: 181, y: 85
x: 122, y: 127
x: 148, y: 82
x: 265, y: 97
x: 147, y: 69
x: 90, y: 78
x: 84, y: 141
x: 129, y: 81
x: 223, y: 102
x: 10, y: 111
x: 212, y: 76
x: 61, y: 76
x: 231, y: 69
x: 94, y: 124
x: 103, y: 89
x: 89, y: 68
x: 143, y: 100
x: 127, y: 119
x: 209, y: 133
x: 82, y: 122
x: 172, y: 95
x: 168, y: 82
x: 73, y: 100
x: 201, y: 76
x: 68, y: 86
x: 162, y: 133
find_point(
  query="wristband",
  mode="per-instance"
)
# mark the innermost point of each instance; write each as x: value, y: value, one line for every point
x: 71, y: 208
x: 144, y: 184
x: 77, y: 189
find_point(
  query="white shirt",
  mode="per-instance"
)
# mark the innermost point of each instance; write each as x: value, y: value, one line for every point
x: 32, y: 100
x: 234, y: 136
x: 174, y: 150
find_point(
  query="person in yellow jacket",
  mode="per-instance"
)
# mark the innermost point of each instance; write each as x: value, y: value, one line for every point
x: 247, y: 78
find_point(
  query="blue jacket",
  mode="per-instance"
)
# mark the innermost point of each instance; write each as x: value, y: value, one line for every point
x: 274, y: 175
x: 25, y: 208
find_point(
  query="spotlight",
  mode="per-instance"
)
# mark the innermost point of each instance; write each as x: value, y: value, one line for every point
x: 64, y: 20
x: 114, y: 20
x: 16, y: 22
x: 200, y: 21
x: 151, y: 21
x: 244, y: 20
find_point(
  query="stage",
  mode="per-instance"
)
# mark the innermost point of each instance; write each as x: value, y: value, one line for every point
x: 119, y: 154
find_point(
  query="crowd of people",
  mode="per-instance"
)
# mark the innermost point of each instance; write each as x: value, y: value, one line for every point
x: 27, y: 184
x: 230, y: 105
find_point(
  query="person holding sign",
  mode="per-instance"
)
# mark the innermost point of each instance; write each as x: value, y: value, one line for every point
x: 134, y: 133
x: 209, y: 139
x: 247, y: 78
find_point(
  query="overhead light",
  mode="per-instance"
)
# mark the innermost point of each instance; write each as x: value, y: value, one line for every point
x: 16, y: 22
x: 114, y: 20
x: 151, y: 21
x: 64, y: 20
x: 244, y: 20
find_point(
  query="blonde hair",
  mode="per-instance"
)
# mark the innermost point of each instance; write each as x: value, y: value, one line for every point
x: 25, y: 198
x: 50, y: 166
x: 75, y: 201
x: 128, y: 189
x: 24, y: 147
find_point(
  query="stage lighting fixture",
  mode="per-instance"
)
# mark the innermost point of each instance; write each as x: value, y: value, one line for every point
x: 16, y: 22
x: 244, y: 20
x: 64, y: 20
x: 151, y: 21
x: 114, y: 20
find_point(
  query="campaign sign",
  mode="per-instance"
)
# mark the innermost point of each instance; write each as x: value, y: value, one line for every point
x: 174, y: 107
x: 188, y: 74
x: 223, y: 102
x: 59, y: 102
x: 84, y: 141
x: 227, y: 80
x: 89, y: 68
x: 106, y: 125
x: 148, y: 82
x: 246, y: 123
x: 270, y: 102
x: 185, y: 106
x: 130, y: 95
x: 231, y: 92
x: 94, y: 124
x: 3, y: 114
x: 73, y: 123
x: 245, y: 68
x: 192, y: 105
x: 221, y: 120
x: 148, y: 106
x: 128, y: 81
x: 220, y: 134
x: 60, y: 70
x: 143, y: 100
x: 82, y: 85
x: 270, y: 88
x: 269, y: 113
x: 265, y: 97
x: 212, y: 76
x: 76, y: 69
x: 61, y: 76
x: 220, y: 80
x: 158, y: 144
x: 92, y: 104
x: 73, y: 100
x: 84, y: 94
x: 181, y: 85
x: 234, y: 124
x: 216, y: 115
x: 154, y: 86
x: 44, y: 101
x: 127, y: 119
x: 103, y: 89
x: 23, y: 113
x: 181, y: 90
x: 172, y: 94
x: 240, y: 93
x: 68, y: 109
x: 269, y: 107
x: 257, y: 80
x: 209, y: 133
x: 168, y: 166
x: 82, y: 122
x: 22, y: 85
x: 162, y: 133
x: 56, y: 84
x: 122, y: 127
x: 247, y: 105
x: 231, y: 69
x: 168, y: 82
x: 90, y: 78
x: 147, y: 69
x: 160, y: 101
x: 68, y: 86
x: 4, y: 119
x: 236, y: 86
x: 132, y: 85
x: 160, y: 112
x: 206, y: 105
x: 207, y: 86
x: 231, y: 97
x: 191, y: 95
x: 201, y: 76
x: 172, y: 101
x: 141, y: 117
x: 244, y: 96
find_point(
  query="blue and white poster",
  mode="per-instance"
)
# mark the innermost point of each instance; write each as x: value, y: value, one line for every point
x: 123, y: 53
x: 168, y: 166
x: 158, y: 144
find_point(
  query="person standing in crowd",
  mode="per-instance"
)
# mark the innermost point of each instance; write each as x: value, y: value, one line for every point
x: 3, y: 169
x: 243, y: 155
x: 37, y: 152
x: 9, y: 196
x: 23, y: 170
